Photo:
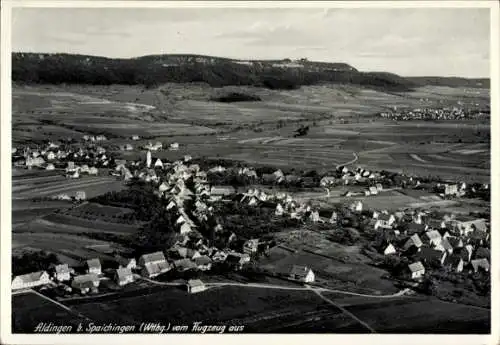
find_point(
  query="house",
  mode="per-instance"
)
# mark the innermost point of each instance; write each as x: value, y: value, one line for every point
x: 195, y: 285
x: 431, y: 255
x: 153, y: 264
x: 85, y: 283
x: 251, y: 246
x: 93, y: 266
x: 237, y: 260
x: 444, y: 246
x: 414, y: 240
x: 466, y: 226
x: 62, y: 272
x: 187, y: 158
x: 314, y: 217
x: 183, y: 265
x: 302, y: 274
x: 454, y: 262
x: 432, y: 237
x: 480, y: 265
x: 482, y: 253
x: 30, y: 280
x: 126, y: 262
x: 416, y: 270
x: 356, y: 206
x: 50, y: 166
x: 123, y: 276
x: 334, y: 218
x: 386, y: 220
x: 373, y: 190
x: 379, y: 187
x: 135, y: 137
x: 436, y: 224
x: 174, y: 146
x: 204, y: 263
x: 389, y: 249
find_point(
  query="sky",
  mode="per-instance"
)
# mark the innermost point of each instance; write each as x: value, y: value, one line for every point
x: 408, y: 42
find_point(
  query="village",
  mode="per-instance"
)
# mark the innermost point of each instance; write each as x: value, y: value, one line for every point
x: 454, y: 113
x: 411, y: 244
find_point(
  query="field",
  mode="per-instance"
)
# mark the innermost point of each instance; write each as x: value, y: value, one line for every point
x: 348, y: 275
x: 25, y: 187
x: 29, y: 309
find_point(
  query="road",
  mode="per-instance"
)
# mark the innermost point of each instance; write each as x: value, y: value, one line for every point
x: 352, y: 161
x: 364, y: 324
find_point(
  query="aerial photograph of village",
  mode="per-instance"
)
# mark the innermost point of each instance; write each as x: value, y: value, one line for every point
x: 294, y: 170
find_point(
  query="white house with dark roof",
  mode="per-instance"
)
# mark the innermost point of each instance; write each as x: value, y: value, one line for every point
x: 414, y: 240
x: 432, y: 237
x: 153, y: 264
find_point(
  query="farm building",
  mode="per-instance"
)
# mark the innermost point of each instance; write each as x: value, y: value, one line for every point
x: 123, y: 276
x: 204, y: 263
x: 195, y: 285
x: 50, y: 166
x: 416, y: 270
x: 183, y: 265
x: 302, y: 273
x: 62, y: 272
x: 93, y: 266
x: 85, y: 283
x: 153, y: 264
x: 480, y: 265
x: 30, y: 280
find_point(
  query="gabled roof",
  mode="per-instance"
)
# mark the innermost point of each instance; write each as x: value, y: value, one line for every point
x: 416, y: 266
x: 446, y: 244
x: 202, y: 260
x: 62, y: 268
x: 31, y: 277
x: 153, y: 257
x: 480, y: 263
x: 415, y: 239
x: 93, y: 263
x: 433, y: 235
x: 195, y: 283
x: 428, y: 254
x: 300, y: 271
x: 123, y: 273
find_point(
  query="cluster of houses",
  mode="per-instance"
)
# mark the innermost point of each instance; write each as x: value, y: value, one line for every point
x: 456, y: 243
x: 53, y: 156
x: 454, y: 113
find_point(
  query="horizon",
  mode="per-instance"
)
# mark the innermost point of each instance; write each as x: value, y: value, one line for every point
x: 395, y: 40
x: 237, y: 59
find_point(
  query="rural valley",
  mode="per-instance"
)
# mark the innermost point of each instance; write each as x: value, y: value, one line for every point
x: 268, y: 196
